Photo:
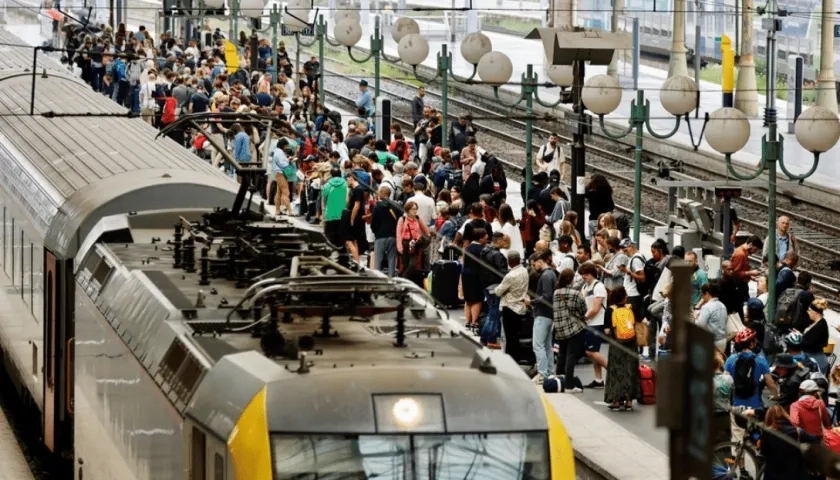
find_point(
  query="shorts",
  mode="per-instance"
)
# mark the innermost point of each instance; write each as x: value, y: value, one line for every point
x: 332, y: 230
x: 592, y: 339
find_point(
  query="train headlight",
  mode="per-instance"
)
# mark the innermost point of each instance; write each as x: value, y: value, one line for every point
x: 409, y: 413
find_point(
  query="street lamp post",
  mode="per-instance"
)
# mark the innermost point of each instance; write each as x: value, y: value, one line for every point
x: 348, y: 32
x: 817, y: 129
x: 473, y: 48
x: 602, y: 95
x: 320, y: 37
x: 561, y: 75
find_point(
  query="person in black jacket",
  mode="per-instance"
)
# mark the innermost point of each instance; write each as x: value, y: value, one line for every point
x: 790, y: 375
x: 784, y: 461
x: 495, y: 262
x: 600, y: 197
x: 815, y: 336
x: 383, y: 224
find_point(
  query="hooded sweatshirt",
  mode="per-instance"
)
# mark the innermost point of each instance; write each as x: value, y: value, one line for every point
x: 810, y: 414
x: 335, y: 198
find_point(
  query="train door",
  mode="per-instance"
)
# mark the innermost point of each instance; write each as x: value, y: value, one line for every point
x: 58, y: 358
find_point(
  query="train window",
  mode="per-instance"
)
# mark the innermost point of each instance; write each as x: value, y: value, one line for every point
x: 197, y: 465
x: 101, y: 273
x: 92, y: 261
x: 172, y: 360
x: 218, y: 467
x: 188, y: 377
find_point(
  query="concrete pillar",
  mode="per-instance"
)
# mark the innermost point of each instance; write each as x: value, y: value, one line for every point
x: 618, y: 11
x: 746, y: 93
x: 678, y: 65
x: 826, y: 96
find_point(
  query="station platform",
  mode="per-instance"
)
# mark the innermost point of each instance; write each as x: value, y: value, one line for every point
x: 15, y: 465
x: 523, y: 52
x: 526, y: 9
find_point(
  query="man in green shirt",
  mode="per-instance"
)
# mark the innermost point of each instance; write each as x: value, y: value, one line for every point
x: 334, y: 195
x: 698, y: 278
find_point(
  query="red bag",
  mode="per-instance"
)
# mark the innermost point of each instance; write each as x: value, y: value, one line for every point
x: 832, y: 439
x: 647, y: 381
x: 310, y: 146
x: 169, y: 115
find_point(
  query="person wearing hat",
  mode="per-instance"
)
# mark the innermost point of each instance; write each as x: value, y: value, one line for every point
x: 365, y: 99
x: 754, y: 318
x: 809, y: 412
x: 634, y: 272
x: 789, y: 374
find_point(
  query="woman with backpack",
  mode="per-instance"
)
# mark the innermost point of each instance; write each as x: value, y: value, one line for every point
x: 622, y: 384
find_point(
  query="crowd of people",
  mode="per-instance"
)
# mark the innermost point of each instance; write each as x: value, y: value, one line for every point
x: 406, y: 206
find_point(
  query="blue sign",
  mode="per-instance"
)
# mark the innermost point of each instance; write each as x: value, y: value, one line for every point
x: 837, y: 31
x: 306, y: 32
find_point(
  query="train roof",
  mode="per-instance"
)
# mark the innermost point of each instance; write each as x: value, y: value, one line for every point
x: 69, y: 172
x: 210, y: 367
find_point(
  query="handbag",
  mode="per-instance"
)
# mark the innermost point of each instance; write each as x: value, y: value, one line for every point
x: 641, y: 334
x: 733, y: 325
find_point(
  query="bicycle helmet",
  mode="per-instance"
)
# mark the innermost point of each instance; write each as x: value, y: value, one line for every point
x: 745, y: 336
x: 793, y: 338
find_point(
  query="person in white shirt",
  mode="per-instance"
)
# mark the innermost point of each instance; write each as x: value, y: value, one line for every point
x: 509, y: 228
x: 551, y: 157
x: 147, y: 99
x: 426, y: 211
x: 634, y: 272
x: 565, y: 257
x: 595, y: 294
x: 288, y: 85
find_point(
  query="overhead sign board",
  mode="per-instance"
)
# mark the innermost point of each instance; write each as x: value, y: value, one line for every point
x: 306, y: 32
x: 564, y: 46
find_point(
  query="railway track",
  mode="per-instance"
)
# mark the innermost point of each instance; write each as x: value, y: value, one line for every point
x: 820, y: 240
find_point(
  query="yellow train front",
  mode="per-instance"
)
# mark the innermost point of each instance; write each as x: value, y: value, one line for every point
x: 251, y: 420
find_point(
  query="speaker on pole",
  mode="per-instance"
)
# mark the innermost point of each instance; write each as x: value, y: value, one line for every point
x: 383, y: 119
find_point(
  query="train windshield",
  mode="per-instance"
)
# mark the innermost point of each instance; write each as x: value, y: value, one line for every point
x: 418, y: 457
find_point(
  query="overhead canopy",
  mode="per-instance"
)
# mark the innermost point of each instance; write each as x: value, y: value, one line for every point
x: 565, y: 46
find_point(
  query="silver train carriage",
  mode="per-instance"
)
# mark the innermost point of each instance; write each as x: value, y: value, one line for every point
x: 131, y: 361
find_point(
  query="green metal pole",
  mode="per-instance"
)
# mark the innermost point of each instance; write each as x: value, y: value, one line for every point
x: 275, y: 20
x: 444, y: 87
x: 528, y: 86
x: 322, y: 35
x: 771, y: 150
x: 376, y: 48
x: 638, y: 118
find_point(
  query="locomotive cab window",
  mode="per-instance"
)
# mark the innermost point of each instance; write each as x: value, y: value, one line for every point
x: 103, y: 270
x: 92, y: 261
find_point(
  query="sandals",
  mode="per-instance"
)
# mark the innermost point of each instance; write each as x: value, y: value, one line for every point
x: 621, y: 407
x: 628, y: 406
x: 615, y: 407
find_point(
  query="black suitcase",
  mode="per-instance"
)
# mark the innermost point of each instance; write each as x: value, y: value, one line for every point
x: 272, y: 194
x: 445, y: 276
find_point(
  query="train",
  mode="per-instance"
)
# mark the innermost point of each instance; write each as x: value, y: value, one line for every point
x: 800, y: 34
x: 158, y: 325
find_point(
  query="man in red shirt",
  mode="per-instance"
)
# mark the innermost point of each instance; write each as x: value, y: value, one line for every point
x: 740, y: 261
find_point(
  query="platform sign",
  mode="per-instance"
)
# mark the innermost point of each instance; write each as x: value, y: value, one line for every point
x: 306, y: 32
x: 231, y: 57
x: 836, y: 31
x: 699, y: 397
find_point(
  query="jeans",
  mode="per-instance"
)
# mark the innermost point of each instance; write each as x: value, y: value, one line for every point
x: 542, y: 338
x: 96, y: 75
x: 570, y: 350
x: 385, y: 250
x: 135, y: 98
x: 123, y: 88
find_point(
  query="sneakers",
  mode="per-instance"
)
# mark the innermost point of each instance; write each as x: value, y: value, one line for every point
x: 575, y: 390
x: 538, y: 379
x: 595, y: 384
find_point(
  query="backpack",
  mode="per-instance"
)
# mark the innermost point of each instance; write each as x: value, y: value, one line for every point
x: 652, y: 274
x: 622, y: 223
x: 574, y: 260
x: 744, y: 377
x: 786, y: 309
x: 335, y: 119
x: 119, y: 70
x: 169, y: 111
x: 624, y: 323
x: 134, y: 72
x: 310, y: 147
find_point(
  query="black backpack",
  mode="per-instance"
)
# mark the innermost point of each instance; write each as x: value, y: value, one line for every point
x: 622, y: 223
x: 786, y: 309
x: 335, y: 119
x: 574, y: 261
x: 744, y: 377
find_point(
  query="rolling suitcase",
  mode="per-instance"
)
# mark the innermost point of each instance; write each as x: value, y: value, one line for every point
x: 526, y: 343
x: 445, y: 277
x: 647, y: 384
